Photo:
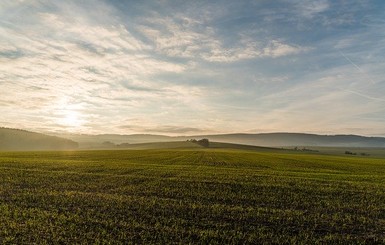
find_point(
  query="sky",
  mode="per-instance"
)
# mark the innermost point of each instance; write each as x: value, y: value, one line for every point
x: 193, y: 67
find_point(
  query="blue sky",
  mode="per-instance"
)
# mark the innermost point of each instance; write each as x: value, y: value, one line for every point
x: 193, y: 67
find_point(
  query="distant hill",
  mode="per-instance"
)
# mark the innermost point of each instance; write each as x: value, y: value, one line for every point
x: 102, y: 140
x: 194, y: 145
x: 16, y: 139
x: 299, y: 139
x: 265, y: 139
x: 21, y: 140
x: 161, y: 145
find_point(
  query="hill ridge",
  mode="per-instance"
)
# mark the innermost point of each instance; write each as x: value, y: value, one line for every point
x: 12, y: 139
x: 258, y: 139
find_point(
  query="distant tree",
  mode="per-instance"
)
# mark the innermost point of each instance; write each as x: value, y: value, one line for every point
x: 204, y: 142
x: 350, y: 153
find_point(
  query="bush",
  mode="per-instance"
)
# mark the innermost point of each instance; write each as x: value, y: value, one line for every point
x: 204, y: 142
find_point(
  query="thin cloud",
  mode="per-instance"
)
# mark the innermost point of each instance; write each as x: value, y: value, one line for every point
x: 282, y: 66
x: 175, y: 130
x: 189, y: 38
x: 309, y: 9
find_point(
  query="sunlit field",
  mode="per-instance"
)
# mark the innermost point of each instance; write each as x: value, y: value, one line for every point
x: 216, y: 196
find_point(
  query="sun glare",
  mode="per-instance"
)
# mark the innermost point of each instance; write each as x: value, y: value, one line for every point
x: 69, y: 114
x: 72, y: 119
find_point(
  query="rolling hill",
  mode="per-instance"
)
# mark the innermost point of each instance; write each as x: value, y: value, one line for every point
x: 299, y: 139
x: 265, y: 139
x: 15, y: 139
x: 21, y: 140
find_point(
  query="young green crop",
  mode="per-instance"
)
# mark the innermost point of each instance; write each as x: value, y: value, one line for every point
x: 218, y: 196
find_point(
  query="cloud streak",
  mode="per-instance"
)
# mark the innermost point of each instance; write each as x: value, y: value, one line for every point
x: 193, y: 67
x: 189, y: 38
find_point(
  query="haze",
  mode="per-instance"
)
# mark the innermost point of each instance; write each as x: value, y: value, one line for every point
x: 193, y: 67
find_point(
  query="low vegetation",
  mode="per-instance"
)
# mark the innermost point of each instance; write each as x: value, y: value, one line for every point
x: 199, y: 195
x: 201, y: 142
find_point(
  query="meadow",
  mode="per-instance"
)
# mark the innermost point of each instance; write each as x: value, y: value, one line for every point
x: 191, y: 195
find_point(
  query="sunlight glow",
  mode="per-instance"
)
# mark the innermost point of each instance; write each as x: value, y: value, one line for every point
x: 69, y: 114
x: 71, y: 119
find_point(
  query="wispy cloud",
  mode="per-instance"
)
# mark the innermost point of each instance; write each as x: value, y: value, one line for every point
x: 184, y: 37
x: 168, y: 129
x: 311, y: 8
x: 192, y: 67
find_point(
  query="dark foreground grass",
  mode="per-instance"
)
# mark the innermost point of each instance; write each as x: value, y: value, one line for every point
x: 190, y: 196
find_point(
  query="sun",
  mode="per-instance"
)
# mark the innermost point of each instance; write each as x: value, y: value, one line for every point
x: 69, y: 115
x: 71, y: 119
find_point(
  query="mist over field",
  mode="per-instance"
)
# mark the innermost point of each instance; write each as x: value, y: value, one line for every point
x: 14, y: 139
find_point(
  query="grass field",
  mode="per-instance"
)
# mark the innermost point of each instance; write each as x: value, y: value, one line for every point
x: 217, y: 196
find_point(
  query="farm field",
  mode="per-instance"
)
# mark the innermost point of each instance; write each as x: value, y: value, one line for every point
x: 190, y: 195
x: 358, y: 151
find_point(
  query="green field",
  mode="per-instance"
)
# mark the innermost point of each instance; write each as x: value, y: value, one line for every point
x: 217, y: 196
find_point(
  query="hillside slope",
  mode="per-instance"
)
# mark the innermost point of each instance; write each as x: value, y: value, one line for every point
x: 298, y: 139
x: 21, y: 140
x: 265, y: 139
